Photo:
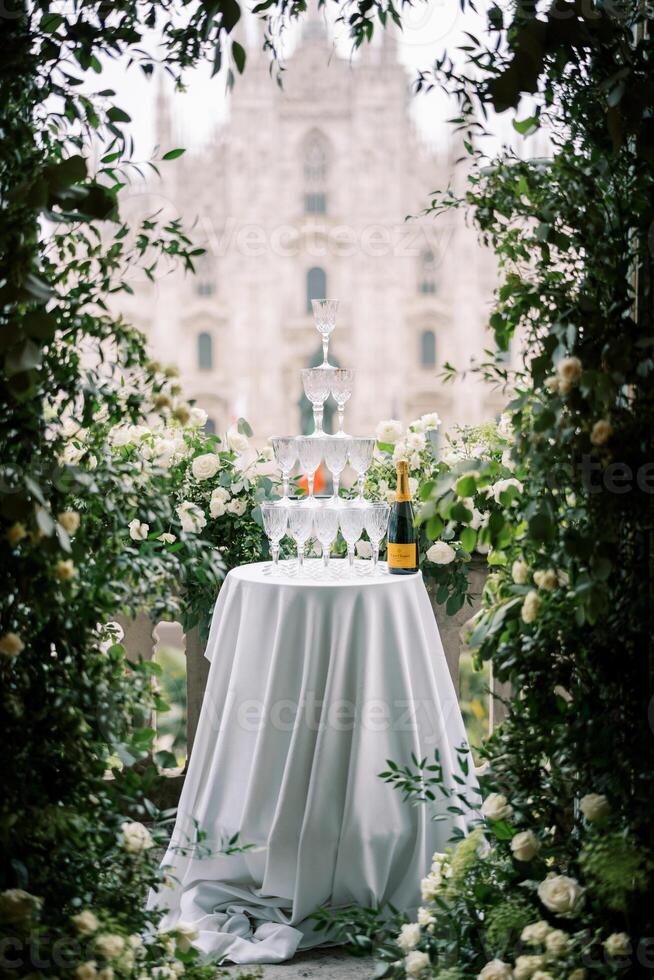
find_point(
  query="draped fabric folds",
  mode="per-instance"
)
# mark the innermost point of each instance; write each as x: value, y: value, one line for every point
x: 313, y: 686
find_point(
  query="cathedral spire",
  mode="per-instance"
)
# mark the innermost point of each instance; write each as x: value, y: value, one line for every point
x: 163, y: 118
x: 314, y: 27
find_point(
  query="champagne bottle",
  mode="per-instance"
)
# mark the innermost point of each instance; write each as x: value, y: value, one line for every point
x: 402, y: 551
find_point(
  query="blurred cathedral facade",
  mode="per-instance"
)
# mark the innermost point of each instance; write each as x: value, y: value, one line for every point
x: 305, y: 193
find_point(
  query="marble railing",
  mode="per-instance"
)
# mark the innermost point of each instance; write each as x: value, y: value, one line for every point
x: 143, y: 638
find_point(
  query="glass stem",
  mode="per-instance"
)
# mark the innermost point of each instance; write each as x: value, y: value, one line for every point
x: 350, y: 555
x: 341, y: 416
x: 325, y: 555
x: 375, y: 555
x: 274, y: 551
x: 310, y: 479
x: 336, y: 482
x: 317, y: 419
x: 285, y: 478
x: 362, y: 480
x: 325, y: 348
x: 300, y: 555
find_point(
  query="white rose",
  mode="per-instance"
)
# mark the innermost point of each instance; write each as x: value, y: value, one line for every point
x: 618, y: 944
x: 430, y: 886
x: 389, y: 431
x: 496, y: 807
x: 452, y: 456
x: 507, y: 459
x: 185, y: 933
x: 69, y: 520
x: 135, y: 838
x: 526, y: 966
x: 414, y: 461
x: 205, y: 466
x: 110, y: 945
x: 11, y: 645
x: 425, y: 917
x: 191, y: 517
x: 86, y: 971
x: 400, y: 451
x: 86, y: 922
x: 477, y: 519
x: 552, y: 383
x: 237, y: 442
x: 557, y: 942
x: 167, y: 538
x: 138, y: 432
x: 416, y: 963
x: 536, y: 933
x: 601, y: 432
x: 495, y: 970
x: 525, y: 845
x: 541, y: 975
x: 594, y: 806
x: 363, y: 549
x: 106, y: 973
x: 138, y: 531
x: 430, y: 421
x: 409, y: 936
x: 120, y: 436
x: 218, y: 502
x: 530, y: 607
x: 416, y: 441
x: 197, y: 417
x: 237, y: 507
x: 164, y: 450
x: 546, y: 579
x: 560, y: 894
x: 569, y: 370
x: 72, y: 454
x: 416, y: 426
x: 440, y: 553
x: 17, y: 905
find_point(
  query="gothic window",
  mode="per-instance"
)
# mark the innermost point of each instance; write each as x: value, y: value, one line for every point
x: 428, y: 349
x: 316, y: 285
x: 204, y: 281
x: 315, y: 175
x: 427, y: 273
x: 205, y: 351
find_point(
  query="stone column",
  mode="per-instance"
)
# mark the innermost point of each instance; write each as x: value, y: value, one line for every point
x: 450, y: 627
x: 197, y: 672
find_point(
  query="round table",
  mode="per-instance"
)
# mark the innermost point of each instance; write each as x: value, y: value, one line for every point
x: 316, y: 680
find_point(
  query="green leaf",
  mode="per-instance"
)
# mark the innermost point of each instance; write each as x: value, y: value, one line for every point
x: 244, y: 428
x: 238, y: 54
x: 468, y: 539
x: 173, y: 154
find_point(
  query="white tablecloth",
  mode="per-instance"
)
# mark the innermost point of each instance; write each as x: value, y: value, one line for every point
x: 313, y: 685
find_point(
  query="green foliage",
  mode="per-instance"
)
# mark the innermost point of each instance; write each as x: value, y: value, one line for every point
x: 616, y: 868
x: 506, y: 921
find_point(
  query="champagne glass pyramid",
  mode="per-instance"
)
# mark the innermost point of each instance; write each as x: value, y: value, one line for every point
x: 324, y: 314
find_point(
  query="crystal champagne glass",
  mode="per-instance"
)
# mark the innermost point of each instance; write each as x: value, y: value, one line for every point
x: 326, y: 528
x: 300, y: 526
x: 336, y: 451
x: 285, y: 450
x: 316, y: 382
x: 309, y: 451
x: 324, y: 315
x: 275, y: 520
x: 342, y: 380
x: 361, y: 451
x: 376, y: 525
x: 352, y: 518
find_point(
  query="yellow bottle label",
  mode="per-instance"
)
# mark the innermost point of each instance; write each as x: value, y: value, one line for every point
x: 402, y: 555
